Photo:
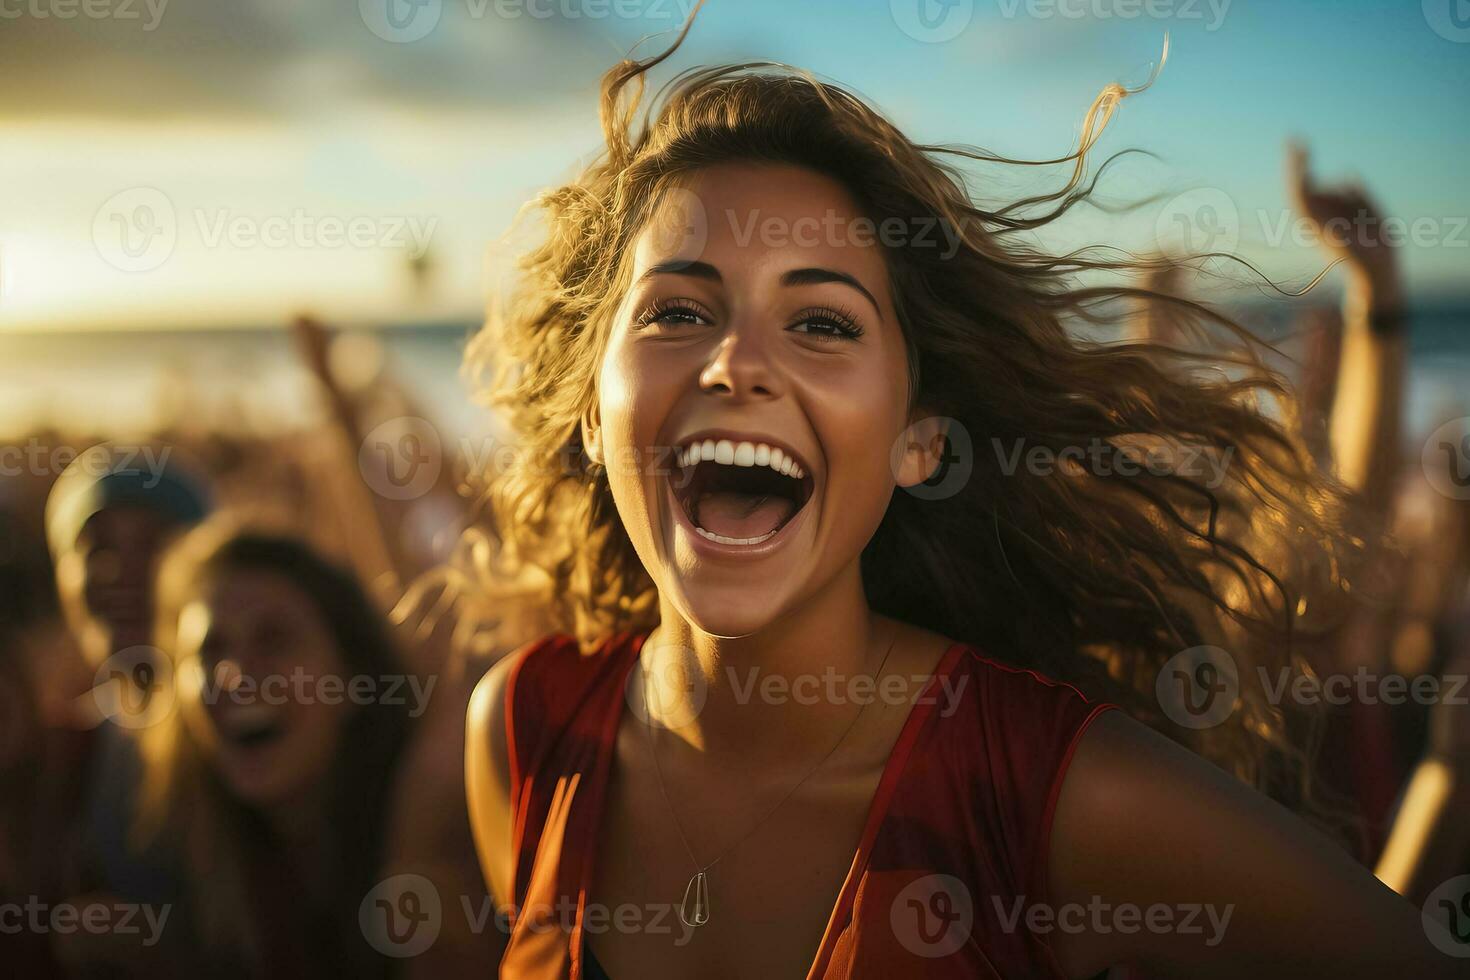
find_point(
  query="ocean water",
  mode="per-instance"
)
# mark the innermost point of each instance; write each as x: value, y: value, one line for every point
x: 127, y: 381
x: 121, y: 383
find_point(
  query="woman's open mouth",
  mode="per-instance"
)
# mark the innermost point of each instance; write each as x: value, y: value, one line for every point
x: 739, y: 492
x: 251, y: 726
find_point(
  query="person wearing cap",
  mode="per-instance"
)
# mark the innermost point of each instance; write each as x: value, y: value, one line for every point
x: 108, y: 518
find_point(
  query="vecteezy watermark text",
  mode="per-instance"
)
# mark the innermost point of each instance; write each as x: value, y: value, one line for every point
x: 36, y: 458
x: 300, y: 687
x: 1103, y: 458
x: 89, y: 9
x: 98, y: 918
x: 1211, y: 12
x: 137, y: 229
x: 402, y: 917
x: 1100, y: 917
x: 832, y: 687
x: 138, y: 687
x: 1365, y: 687
x: 1199, y: 687
x: 843, y: 231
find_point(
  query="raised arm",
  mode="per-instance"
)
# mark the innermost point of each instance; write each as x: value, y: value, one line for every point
x: 374, y: 548
x: 1366, y: 413
x: 1143, y: 822
x: 1430, y: 839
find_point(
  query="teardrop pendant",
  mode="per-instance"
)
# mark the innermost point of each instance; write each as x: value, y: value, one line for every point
x: 697, y: 913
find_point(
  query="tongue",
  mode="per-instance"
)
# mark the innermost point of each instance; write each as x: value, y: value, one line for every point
x: 742, y: 515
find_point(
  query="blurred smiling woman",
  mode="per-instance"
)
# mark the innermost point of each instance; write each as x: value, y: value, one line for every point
x: 740, y: 460
x: 275, y: 802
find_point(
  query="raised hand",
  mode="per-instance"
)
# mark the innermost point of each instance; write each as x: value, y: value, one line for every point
x: 313, y: 342
x: 1348, y: 223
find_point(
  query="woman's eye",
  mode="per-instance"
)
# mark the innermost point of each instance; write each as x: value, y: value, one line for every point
x: 672, y: 315
x: 826, y: 327
x: 679, y: 316
x: 273, y: 638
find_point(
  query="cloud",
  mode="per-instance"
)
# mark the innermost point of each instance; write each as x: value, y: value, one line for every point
x: 150, y: 58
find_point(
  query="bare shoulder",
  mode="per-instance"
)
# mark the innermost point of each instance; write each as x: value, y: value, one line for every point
x: 487, y: 708
x: 1144, y: 824
x: 487, y: 774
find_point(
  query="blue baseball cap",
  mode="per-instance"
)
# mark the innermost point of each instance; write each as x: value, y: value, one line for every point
x: 106, y: 476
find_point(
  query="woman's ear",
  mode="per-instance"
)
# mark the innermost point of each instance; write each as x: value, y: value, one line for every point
x: 592, y: 435
x: 919, y: 450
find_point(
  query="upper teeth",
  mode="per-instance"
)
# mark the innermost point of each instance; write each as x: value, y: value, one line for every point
x: 740, y: 454
x: 250, y: 717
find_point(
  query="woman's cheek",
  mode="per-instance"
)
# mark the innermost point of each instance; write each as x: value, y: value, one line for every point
x: 860, y: 474
x: 638, y: 391
x: 190, y: 682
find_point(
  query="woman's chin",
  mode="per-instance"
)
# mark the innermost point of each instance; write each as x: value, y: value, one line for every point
x: 262, y: 779
x: 729, y: 611
x: 256, y: 790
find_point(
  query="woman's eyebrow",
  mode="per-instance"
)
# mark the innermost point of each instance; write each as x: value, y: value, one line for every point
x: 816, y: 277
x: 683, y: 267
x: 811, y: 276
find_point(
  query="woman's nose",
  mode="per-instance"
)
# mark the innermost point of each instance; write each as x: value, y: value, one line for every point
x: 741, y: 366
x: 229, y: 674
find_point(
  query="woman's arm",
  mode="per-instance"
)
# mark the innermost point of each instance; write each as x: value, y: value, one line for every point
x: 1431, y: 834
x: 487, y: 778
x: 1227, y: 883
x: 1430, y: 839
x: 1366, y: 411
x: 374, y: 549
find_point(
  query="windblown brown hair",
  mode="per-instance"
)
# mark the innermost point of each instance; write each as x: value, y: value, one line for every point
x: 1096, y: 578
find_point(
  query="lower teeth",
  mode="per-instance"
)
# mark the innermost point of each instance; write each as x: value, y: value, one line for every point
x: 724, y: 540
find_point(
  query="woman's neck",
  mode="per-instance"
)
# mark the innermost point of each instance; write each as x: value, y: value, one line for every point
x: 300, y: 821
x: 750, y: 700
x: 300, y: 828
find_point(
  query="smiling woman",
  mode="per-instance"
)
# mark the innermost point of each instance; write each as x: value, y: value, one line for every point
x: 748, y: 402
x: 264, y: 783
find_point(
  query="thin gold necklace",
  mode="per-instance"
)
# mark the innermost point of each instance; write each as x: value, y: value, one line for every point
x: 696, y: 912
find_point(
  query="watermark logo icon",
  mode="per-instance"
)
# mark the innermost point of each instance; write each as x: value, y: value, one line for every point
x: 401, y: 458
x: 953, y: 448
x: 1197, y: 687
x: 401, y: 916
x: 1450, y: 19
x: 1446, y: 917
x: 667, y: 689
x: 401, y: 21
x: 1198, y: 222
x: 1446, y: 459
x: 932, y: 21
x: 933, y: 916
x: 680, y: 225
x: 136, y: 230
x: 134, y: 688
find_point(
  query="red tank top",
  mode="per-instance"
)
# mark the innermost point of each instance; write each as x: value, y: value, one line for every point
x: 952, y: 853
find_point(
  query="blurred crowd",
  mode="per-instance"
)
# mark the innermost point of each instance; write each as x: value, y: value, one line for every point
x: 232, y: 692
x: 225, y: 717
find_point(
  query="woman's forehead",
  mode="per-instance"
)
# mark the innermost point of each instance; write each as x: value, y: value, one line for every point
x: 746, y: 219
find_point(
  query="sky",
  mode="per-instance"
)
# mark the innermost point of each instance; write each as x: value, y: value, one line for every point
x: 166, y: 163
